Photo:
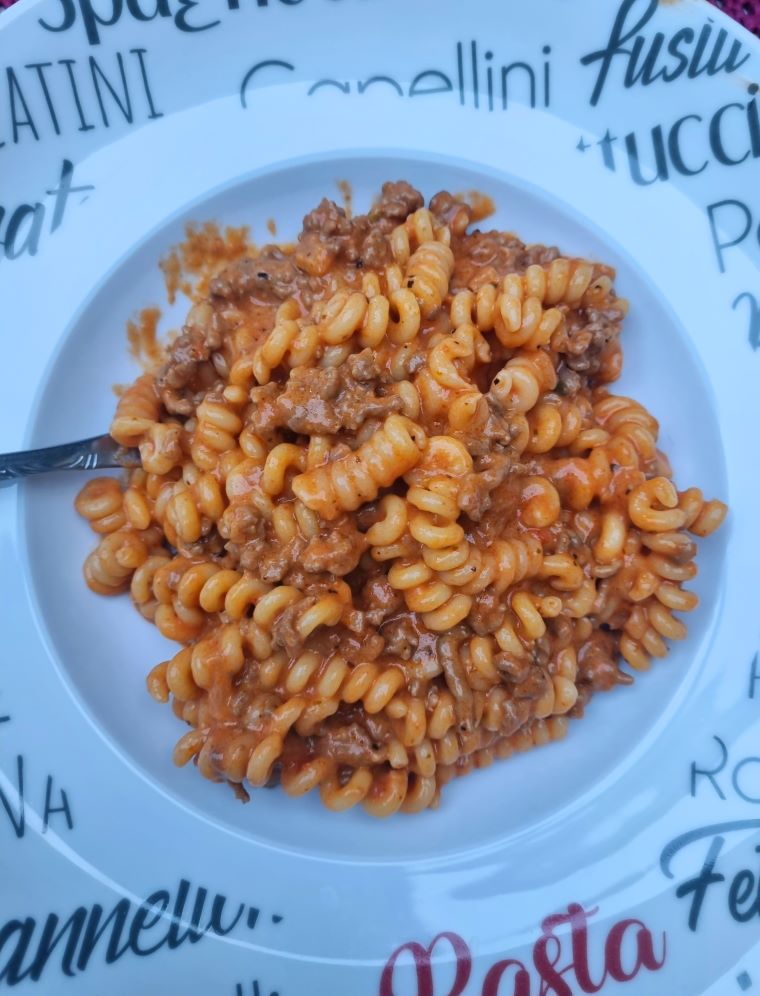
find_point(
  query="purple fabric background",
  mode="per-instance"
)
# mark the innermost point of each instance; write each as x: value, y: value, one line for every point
x: 746, y: 12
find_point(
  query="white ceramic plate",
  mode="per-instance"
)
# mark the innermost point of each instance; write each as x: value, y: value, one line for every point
x: 625, y: 856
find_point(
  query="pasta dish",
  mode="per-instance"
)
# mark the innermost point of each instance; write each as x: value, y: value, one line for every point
x: 389, y: 508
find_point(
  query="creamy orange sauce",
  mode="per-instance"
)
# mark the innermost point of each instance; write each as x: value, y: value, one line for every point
x: 347, y: 194
x: 144, y: 346
x: 482, y: 205
x: 190, y: 266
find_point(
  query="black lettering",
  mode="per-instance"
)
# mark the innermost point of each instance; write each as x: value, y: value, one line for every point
x: 735, y: 779
x: 704, y: 36
x: 343, y: 87
x: 93, y: 22
x: 620, y: 34
x: 180, y: 18
x: 160, y: 9
x: 753, y: 119
x: 69, y: 10
x: 710, y: 773
x: 754, y: 674
x: 661, y: 162
x: 16, y: 97
x: 215, y: 920
x: 460, y: 72
x: 754, y: 341
x: 716, y: 137
x: 647, y: 73
x: 11, y: 970
x: 140, y: 52
x: 444, y: 84
x: 712, y: 211
x: 362, y: 86
x: 674, y: 147
x: 674, y: 49
x: 98, y: 74
x: 50, y: 809
x: 18, y: 822
x: 40, y: 67
x: 14, y: 246
x: 474, y: 64
x: 63, y: 191
x: 730, y: 63
x: 83, y: 124
x: 699, y: 885
x: 71, y: 930
x: 742, y: 887
x: 193, y: 934
x: 94, y: 930
x: 146, y: 917
x: 257, y: 69
x: 631, y: 75
x: 505, y: 71
x: 706, y: 877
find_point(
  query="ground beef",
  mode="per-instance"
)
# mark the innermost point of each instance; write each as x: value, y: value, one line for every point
x: 597, y: 661
x: 380, y: 601
x: 189, y: 353
x: 475, y: 494
x: 487, y: 257
x: 336, y: 552
x: 487, y: 612
x: 397, y: 200
x: 348, y: 743
x: 271, y: 275
x: 322, y: 401
x: 400, y: 637
x: 285, y: 630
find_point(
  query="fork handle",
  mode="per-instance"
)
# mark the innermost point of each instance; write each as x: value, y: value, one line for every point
x: 87, y: 454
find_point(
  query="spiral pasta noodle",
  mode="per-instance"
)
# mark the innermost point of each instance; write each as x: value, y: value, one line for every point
x: 389, y: 510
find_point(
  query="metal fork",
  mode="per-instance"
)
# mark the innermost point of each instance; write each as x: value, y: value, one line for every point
x: 88, y: 454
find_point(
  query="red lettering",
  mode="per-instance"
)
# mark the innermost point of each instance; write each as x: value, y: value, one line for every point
x: 645, y: 956
x: 578, y: 918
x: 422, y: 957
x: 496, y: 973
x: 546, y: 966
x: 552, y: 978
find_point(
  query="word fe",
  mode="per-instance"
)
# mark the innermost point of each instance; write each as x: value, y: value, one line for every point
x: 472, y: 75
x: 27, y: 947
x: 20, y: 234
x: 55, y: 801
x: 743, y: 892
x: 739, y: 773
x: 659, y: 58
x: 561, y: 964
x: 52, y: 98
